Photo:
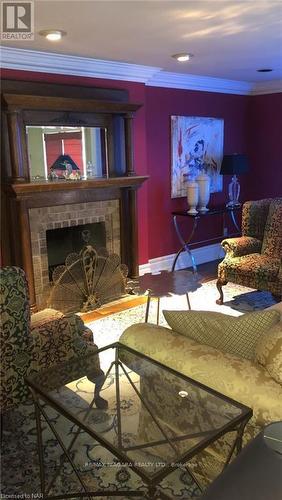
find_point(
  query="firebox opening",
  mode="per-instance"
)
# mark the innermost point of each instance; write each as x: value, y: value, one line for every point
x: 63, y: 241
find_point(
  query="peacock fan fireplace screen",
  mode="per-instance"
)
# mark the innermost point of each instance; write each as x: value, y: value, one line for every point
x: 87, y: 281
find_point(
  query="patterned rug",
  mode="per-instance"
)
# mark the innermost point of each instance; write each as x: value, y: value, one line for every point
x: 20, y: 468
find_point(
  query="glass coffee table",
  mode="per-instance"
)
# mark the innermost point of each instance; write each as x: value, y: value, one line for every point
x: 150, y: 420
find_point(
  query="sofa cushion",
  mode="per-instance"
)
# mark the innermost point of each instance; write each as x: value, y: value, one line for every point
x: 240, y: 379
x: 237, y: 336
x: 268, y: 352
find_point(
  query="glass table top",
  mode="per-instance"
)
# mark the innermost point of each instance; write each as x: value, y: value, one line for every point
x: 155, y: 417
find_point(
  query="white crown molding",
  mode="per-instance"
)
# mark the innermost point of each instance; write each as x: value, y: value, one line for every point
x: 202, y: 83
x: 47, y: 62
x: 63, y: 64
x: 272, y: 87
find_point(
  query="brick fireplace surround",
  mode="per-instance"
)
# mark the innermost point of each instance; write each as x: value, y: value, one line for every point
x: 53, y: 217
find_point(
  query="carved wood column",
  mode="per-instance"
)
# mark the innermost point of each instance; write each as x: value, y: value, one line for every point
x: 128, y: 144
x: 26, y: 250
x: 18, y: 148
x: 129, y: 231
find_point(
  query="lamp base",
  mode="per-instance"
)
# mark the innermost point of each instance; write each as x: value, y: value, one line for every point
x: 232, y: 204
x: 233, y: 192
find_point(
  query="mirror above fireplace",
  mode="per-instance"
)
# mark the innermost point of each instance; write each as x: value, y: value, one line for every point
x: 85, y: 147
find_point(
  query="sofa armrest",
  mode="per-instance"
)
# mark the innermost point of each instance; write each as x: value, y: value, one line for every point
x: 244, y: 245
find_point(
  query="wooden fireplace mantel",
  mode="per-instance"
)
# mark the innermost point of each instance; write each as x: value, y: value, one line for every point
x: 25, y: 104
x: 25, y: 189
x: 24, y: 196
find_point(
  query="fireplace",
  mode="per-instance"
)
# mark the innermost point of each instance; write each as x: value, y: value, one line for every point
x: 65, y: 240
x: 33, y: 204
x: 59, y: 230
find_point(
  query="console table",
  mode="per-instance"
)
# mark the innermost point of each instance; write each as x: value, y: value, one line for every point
x: 186, y: 244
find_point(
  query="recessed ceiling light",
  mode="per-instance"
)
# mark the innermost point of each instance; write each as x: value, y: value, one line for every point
x: 264, y: 70
x: 182, y: 57
x: 53, y: 35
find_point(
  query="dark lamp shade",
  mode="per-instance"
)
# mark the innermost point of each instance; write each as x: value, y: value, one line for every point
x: 234, y: 164
x: 62, y: 160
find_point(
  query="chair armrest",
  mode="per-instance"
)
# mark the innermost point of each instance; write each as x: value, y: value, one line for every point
x: 57, y: 341
x: 244, y: 245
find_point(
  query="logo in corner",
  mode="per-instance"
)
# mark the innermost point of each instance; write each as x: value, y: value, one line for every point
x: 17, y: 20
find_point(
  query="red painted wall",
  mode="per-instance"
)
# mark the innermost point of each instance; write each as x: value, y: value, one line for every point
x: 250, y: 125
x: 264, y: 146
x: 160, y: 105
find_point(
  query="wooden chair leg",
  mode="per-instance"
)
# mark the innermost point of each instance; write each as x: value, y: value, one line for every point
x: 219, y: 285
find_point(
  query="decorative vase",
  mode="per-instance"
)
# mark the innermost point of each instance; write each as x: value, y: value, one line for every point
x: 192, y: 197
x: 203, y: 181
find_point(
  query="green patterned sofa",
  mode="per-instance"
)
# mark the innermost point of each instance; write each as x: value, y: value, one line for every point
x: 31, y: 343
x: 243, y: 380
x: 255, y: 258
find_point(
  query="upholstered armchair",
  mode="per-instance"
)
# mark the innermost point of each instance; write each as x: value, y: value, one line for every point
x: 255, y: 258
x: 30, y: 343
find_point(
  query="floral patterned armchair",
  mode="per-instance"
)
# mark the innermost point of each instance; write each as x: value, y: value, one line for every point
x: 255, y: 258
x: 31, y: 343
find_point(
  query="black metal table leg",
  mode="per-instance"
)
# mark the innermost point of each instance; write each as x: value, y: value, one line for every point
x: 185, y: 244
x: 147, y: 307
x: 188, y: 301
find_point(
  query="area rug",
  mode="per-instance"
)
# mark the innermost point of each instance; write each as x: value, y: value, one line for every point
x: 237, y: 300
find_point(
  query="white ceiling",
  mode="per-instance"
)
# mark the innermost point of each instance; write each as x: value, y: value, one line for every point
x: 229, y: 39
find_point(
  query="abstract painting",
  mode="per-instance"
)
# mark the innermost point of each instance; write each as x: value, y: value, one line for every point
x: 197, y: 147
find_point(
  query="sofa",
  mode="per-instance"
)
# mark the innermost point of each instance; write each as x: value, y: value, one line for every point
x: 243, y: 380
x: 255, y: 258
x: 31, y: 343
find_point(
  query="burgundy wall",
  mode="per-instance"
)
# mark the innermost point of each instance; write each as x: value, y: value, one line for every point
x: 250, y: 125
x: 160, y: 105
x: 264, y: 146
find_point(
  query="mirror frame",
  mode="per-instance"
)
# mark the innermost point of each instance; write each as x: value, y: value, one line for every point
x: 22, y: 110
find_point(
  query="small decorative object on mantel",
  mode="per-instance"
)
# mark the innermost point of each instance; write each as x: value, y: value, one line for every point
x: 203, y: 181
x: 192, y: 196
x: 65, y: 168
x: 232, y: 165
x: 87, y: 281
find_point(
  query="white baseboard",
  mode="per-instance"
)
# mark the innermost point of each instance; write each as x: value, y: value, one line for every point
x: 201, y: 255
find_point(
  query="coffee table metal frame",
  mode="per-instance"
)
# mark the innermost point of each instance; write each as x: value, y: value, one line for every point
x: 237, y: 424
x: 186, y: 243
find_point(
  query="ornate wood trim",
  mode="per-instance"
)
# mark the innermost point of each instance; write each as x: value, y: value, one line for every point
x: 16, y: 102
x: 21, y: 194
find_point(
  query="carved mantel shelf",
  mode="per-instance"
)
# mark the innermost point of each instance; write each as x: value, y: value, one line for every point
x: 26, y: 189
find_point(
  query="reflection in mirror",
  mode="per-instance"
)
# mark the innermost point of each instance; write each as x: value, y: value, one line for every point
x: 67, y: 152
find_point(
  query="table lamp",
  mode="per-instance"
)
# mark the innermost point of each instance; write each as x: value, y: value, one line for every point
x: 232, y: 165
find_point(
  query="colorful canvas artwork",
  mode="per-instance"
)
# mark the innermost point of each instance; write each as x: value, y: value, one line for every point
x: 197, y: 147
